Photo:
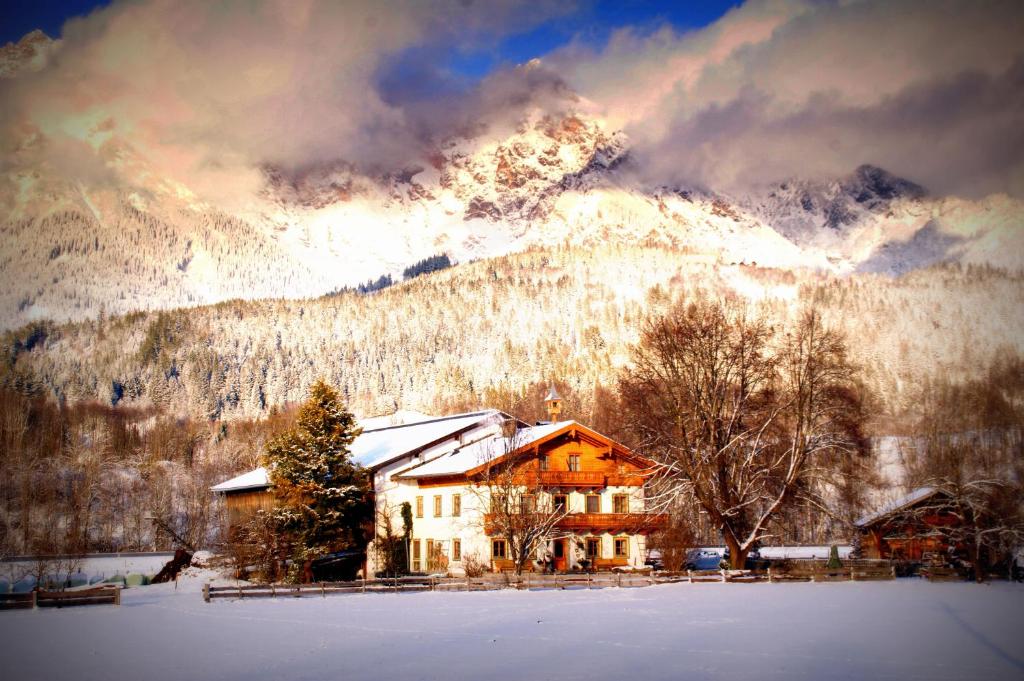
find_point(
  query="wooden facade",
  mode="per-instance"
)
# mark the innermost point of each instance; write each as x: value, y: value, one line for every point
x: 241, y: 505
x: 908, y: 532
x: 605, y: 479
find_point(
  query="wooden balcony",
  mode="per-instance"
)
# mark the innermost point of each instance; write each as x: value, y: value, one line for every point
x: 571, y: 478
x: 614, y: 522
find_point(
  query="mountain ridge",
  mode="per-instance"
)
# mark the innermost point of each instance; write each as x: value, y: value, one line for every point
x: 134, y: 238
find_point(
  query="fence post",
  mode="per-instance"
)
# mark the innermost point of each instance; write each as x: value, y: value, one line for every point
x: 689, y: 575
x: 722, y: 570
x: 117, y: 596
x: 206, y: 592
x: 364, y: 584
x: 769, y: 574
x: 273, y: 590
x: 589, y: 586
x: 618, y: 579
x: 323, y: 590
x: 853, y: 576
x: 469, y: 584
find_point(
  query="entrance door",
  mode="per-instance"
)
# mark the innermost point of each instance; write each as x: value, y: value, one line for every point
x: 560, y: 560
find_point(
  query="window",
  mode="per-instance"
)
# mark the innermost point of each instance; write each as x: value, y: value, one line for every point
x: 574, y: 462
x: 620, y: 503
x: 415, y: 555
x: 528, y: 504
x: 456, y: 549
x: 622, y: 547
x: 593, y: 547
x: 456, y: 505
x: 593, y: 503
x: 419, y: 507
x: 498, y: 548
x: 543, y: 461
x: 498, y: 503
x: 437, y: 505
x: 561, y: 503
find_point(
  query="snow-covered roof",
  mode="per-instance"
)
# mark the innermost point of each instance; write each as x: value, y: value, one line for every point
x: 385, y: 443
x: 257, y: 479
x: 900, y: 504
x: 482, y: 451
x: 379, y: 446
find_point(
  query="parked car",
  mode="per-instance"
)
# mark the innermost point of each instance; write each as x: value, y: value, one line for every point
x: 703, y: 559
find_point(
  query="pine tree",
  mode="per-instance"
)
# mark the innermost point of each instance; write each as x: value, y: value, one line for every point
x: 833, y: 558
x: 322, y: 498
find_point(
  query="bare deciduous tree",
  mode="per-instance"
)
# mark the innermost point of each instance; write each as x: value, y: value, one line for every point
x: 742, y: 420
x: 970, y: 447
x: 519, y: 510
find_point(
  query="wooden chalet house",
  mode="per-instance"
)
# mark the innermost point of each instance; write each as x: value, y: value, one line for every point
x: 590, y: 489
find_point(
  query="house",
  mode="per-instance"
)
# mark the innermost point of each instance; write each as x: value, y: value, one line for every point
x: 440, y: 467
x: 906, y: 528
x: 385, y: 442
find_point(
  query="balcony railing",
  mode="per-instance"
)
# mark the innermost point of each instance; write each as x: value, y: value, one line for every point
x: 613, y: 521
x: 572, y: 478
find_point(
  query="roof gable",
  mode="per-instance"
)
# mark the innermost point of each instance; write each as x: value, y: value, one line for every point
x: 901, y: 504
x: 478, y: 456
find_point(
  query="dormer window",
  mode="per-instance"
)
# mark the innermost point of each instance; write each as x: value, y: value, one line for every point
x: 543, y: 462
x: 574, y: 462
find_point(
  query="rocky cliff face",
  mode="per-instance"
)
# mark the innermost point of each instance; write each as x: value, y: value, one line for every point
x: 74, y: 246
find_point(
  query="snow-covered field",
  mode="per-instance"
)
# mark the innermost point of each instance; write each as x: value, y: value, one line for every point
x: 96, y: 566
x: 905, y: 629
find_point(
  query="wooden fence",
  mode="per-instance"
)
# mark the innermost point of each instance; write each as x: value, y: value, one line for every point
x: 491, y: 582
x: 818, y: 571
x: 61, y: 599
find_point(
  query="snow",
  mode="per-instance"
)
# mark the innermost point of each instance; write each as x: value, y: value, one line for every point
x: 102, y: 566
x: 896, y: 505
x: 803, y: 551
x: 905, y: 629
x: 380, y: 445
x: 482, y: 451
x: 256, y: 479
x: 377, y: 447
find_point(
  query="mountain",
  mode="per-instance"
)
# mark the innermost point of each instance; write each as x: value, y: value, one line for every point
x: 127, y: 236
x: 492, y: 328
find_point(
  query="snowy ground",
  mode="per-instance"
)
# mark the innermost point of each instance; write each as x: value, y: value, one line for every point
x: 903, y: 630
x: 97, y: 566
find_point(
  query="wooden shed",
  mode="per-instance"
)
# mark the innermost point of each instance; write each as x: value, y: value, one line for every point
x: 244, y: 495
x: 906, y: 528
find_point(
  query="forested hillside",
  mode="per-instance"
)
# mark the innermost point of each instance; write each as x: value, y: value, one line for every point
x: 451, y: 338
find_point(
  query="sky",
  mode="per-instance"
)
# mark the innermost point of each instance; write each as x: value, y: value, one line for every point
x: 592, y: 21
x: 730, y: 97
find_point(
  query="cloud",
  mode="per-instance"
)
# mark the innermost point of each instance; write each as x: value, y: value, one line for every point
x: 202, y: 94
x: 931, y: 90
x: 204, y: 90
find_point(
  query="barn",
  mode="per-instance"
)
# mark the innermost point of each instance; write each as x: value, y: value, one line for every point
x: 907, y: 528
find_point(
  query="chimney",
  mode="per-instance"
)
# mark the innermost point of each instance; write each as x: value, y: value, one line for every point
x: 553, y: 402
